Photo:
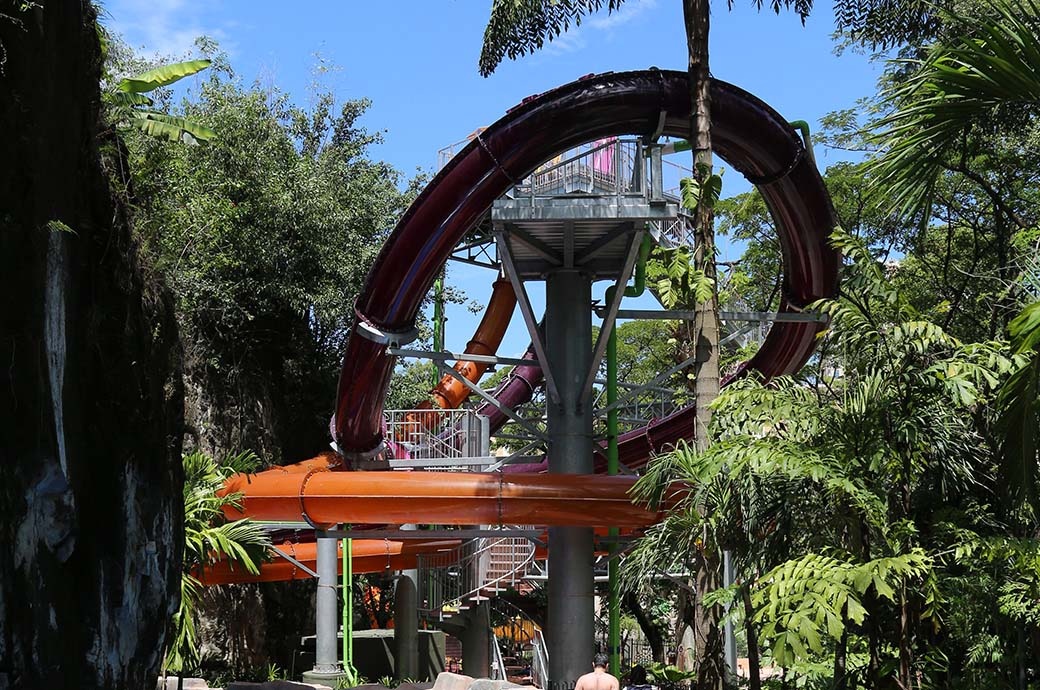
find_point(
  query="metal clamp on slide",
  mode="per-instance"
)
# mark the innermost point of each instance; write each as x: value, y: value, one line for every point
x: 382, y: 337
x: 303, y: 506
x: 770, y: 178
x: 374, y: 459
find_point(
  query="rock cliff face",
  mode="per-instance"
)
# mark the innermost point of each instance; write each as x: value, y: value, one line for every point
x: 90, y: 397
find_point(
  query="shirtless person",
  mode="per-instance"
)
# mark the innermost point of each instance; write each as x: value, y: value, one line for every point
x: 599, y: 679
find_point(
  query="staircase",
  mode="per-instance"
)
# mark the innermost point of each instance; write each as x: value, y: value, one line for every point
x: 454, y: 581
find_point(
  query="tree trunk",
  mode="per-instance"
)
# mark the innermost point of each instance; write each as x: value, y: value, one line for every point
x: 905, y: 634
x: 650, y: 631
x: 754, y: 667
x: 710, y: 665
x: 841, y: 680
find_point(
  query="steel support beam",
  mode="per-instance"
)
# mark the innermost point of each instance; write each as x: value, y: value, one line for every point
x: 534, y: 244
x: 686, y: 315
x: 486, y: 397
x: 524, y: 302
x: 568, y: 329
x: 406, y: 621
x: 447, y: 356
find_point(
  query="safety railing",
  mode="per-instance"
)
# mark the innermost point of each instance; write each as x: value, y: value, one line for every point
x: 644, y: 403
x: 606, y: 167
x: 498, y: 664
x: 679, y: 232
x: 539, y: 661
x: 451, y: 581
x: 437, y: 435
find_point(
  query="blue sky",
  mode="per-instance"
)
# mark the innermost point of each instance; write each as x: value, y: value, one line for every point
x: 417, y: 61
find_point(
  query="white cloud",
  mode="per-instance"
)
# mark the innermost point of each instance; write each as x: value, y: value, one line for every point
x: 567, y: 42
x: 162, y: 27
x: 629, y: 11
x: 577, y: 38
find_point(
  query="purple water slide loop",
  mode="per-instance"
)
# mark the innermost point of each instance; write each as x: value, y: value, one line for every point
x: 746, y: 133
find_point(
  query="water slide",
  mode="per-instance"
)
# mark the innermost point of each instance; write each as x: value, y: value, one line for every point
x: 369, y: 556
x: 450, y: 393
x: 747, y: 134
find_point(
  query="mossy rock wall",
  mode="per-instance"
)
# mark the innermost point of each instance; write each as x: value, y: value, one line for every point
x: 90, y: 393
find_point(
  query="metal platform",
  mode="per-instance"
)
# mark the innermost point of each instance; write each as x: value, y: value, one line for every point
x: 582, y: 212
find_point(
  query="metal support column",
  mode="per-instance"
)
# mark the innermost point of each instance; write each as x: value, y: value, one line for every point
x: 406, y: 623
x: 568, y: 327
x: 326, y: 615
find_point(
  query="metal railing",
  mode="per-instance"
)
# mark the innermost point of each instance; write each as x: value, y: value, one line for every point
x: 643, y: 404
x: 498, y: 664
x: 437, y: 435
x: 539, y: 661
x: 609, y: 167
x: 450, y: 581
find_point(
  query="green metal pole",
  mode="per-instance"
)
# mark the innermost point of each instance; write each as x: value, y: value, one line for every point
x: 614, y: 605
x: 348, y: 612
x: 438, y: 319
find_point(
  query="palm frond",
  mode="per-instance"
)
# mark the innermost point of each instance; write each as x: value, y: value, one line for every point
x: 955, y: 88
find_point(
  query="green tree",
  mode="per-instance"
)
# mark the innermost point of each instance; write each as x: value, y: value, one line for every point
x: 984, y: 79
x: 1020, y: 408
x: 859, y: 505
x: 263, y: 234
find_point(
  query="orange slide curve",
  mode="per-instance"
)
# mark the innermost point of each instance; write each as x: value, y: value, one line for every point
x: 440, y: 498
x: 449, y: 393
x: 369, y: 556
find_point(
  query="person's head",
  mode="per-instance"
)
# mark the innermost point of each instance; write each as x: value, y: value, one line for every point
x: 637, y: 676
x: 599, y: 661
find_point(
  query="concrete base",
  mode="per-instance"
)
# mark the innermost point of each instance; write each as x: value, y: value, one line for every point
x: 374, y: 653
x: 329, y: 680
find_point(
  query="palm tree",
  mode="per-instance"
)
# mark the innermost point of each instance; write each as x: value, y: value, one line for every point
x: 1020, y: 407
x: 517, y: 27
x: 209, y: 537
x: 966, y: 85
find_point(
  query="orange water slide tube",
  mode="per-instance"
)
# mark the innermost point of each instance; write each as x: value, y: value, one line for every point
x: 440, y: 498
x: 449, y: 393
x: 368, y: 556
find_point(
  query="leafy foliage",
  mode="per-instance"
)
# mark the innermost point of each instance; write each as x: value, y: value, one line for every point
x: 130, y: 105
x: 209, y: 537
x: 1020, y: 407
x: 957, y: 87
x: 855, y: 500
x: 518, y: 27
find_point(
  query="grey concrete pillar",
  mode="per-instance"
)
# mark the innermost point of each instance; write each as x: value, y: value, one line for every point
x: 327, y: 618
x: 476, y: 643
x: 568, y: 333
x: 406, y: 624
x: 406, y: 627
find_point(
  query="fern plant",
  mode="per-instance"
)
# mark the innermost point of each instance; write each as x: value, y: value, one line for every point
x: 209, y: 537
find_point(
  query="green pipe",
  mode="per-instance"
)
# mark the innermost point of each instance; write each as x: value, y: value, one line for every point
x: 438, y: 320
x: 803, y: 127
x: 614, y: 605
x: 349, y: 672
